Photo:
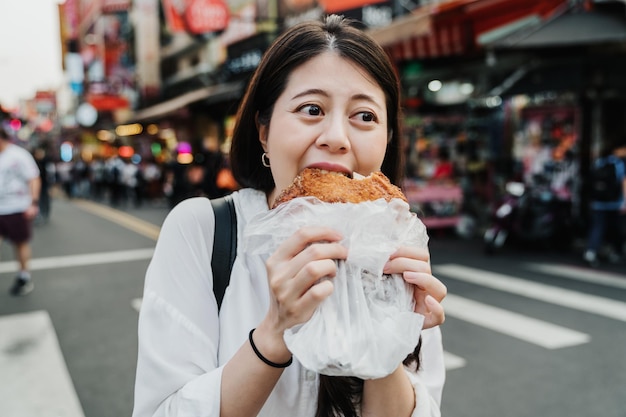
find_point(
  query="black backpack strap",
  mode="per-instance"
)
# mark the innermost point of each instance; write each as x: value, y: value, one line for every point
x: 224, y: 244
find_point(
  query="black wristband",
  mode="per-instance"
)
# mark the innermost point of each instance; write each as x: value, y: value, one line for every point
x: 263, y: 358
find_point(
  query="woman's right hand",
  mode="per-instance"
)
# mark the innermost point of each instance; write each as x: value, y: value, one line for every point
x: 294, y: 271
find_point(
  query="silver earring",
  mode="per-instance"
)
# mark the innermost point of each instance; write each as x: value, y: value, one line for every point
x: 265, y: 160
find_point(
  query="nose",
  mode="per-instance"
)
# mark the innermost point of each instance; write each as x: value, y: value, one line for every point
x: 335, y: 135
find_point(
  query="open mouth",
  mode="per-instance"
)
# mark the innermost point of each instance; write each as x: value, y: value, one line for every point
x: 345, y: 174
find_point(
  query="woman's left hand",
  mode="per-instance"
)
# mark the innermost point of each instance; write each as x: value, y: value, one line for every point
x: 414, y: 265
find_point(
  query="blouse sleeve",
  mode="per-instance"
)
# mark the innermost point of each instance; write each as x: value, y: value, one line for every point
x: 177, y: 372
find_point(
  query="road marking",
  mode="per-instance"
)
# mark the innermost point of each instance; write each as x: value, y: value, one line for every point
x: 123, y: 219
x: 572, y: 299
x: 136, y: 303
x: 34, y: 381
x: 581, y: 274
x: 56, y: 262
x: 538, y: 332
x: 452, y: 361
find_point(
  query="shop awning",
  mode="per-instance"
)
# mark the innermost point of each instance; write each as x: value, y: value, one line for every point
x: 211, y: 94
x: 404, y: 28
x: 575, y: 28
x: 459, y: 27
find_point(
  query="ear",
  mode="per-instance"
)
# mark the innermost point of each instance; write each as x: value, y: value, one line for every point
x: 263, y: 132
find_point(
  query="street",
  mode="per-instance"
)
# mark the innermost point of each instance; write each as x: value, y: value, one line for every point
x: 528, y: 333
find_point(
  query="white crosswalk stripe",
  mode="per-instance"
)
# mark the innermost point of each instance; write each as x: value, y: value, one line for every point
x: 580, y: 274
x: 532, y: 330
x: 136, y: 303
x: 538, y: 332
x: 85, y: 259
x: 453, y: 361
x: 34, y: 380
x: 555, y: 295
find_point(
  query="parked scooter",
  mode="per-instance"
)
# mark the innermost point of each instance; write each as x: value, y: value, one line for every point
x: 529, y: 214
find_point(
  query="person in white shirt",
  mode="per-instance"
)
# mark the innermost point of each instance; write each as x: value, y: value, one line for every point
x: 19, y: 205
x: 324, y: 95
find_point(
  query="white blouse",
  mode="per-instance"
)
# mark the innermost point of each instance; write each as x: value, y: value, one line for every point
x: 184, y: 343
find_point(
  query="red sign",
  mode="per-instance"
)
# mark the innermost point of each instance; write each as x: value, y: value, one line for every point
x: 206, y: 16
x: 107, y: 102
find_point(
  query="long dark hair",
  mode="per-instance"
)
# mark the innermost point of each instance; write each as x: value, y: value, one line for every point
x: 293, y: 48
x: 338, y: 396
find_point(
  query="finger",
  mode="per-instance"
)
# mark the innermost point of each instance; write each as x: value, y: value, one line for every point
x: 298, y: 308
x: 408, y: 259
x: 305, y: 236
x: 302, y: 309
x: 319, y: 251
x: 427, y: 283
x: 316, y: 294
x: 311, y: 274
x: 400, y: 265
x: 286, y: 269
x: 434, y: 314
x: 421, y: 254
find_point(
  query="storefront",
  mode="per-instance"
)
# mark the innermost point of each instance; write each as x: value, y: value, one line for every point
x: 519, y: 94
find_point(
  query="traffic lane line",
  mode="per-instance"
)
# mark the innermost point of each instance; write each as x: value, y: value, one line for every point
x: 56, y: 262
x: 452, y: 361
x: 591, y: 276
x: 34, y: 380
x: 133, y: 223
x: 575, y: 300
x: 528, y: 329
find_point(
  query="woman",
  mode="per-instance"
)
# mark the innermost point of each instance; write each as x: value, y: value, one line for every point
x: 324, y: 95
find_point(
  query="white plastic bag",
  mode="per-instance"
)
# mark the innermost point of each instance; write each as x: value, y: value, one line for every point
x: 367, y: 326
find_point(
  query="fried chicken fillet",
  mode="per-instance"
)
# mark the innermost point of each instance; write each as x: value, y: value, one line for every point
x: 334, y: 187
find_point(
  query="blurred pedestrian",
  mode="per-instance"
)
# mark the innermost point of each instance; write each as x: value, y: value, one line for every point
x: 64, y: 177
x: 130, y: 182
x: 113, y: 169
x: 19, y: 205
x: 175, y: 180
x: 47, y: 179
x: 608, y: 187
x: 98, y: 184
x: 152, y: 177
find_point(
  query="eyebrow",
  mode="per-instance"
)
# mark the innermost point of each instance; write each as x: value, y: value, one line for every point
x: 317, y: 91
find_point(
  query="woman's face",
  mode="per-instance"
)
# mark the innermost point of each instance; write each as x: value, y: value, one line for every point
x: 332, y: 115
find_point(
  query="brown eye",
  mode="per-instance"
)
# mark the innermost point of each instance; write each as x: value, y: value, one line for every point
x: 368, y: 117
x: 311, y: 109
